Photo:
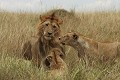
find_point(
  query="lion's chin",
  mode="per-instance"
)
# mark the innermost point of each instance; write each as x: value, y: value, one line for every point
x: 48, y: 37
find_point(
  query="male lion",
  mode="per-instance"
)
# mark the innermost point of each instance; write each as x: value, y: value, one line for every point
x: 91, y: 48
x: 48, y: 32
x: 54, y: 65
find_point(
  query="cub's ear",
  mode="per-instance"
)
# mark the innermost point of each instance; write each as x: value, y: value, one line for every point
x: 75, y: 36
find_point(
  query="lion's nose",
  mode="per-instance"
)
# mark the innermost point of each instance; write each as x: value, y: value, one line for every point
x: 49, y: 33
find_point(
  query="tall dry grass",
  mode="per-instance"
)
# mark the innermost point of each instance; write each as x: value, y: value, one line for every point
x: 17, y: 28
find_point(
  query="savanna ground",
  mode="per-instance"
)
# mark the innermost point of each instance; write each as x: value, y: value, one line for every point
x: 17, y: 28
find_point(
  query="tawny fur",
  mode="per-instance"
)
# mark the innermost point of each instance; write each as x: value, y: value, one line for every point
x: 48, y: 32
x: 90, y: 47
x: 54, y: 65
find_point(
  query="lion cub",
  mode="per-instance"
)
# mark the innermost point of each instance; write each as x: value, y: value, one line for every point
x: 54, y: 65
x: 91, y: 48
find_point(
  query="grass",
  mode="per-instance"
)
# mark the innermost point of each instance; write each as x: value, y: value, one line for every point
x: 17, y: 28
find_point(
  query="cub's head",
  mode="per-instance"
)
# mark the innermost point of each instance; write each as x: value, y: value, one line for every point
x: 54, y: 60
x: 70, y: 38
x: 49, y: 26
x: 54, y: 65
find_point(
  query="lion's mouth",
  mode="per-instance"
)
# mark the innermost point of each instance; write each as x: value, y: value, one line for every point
x: 63, y: 43
x: 47, y: 63
x: 48, y: 37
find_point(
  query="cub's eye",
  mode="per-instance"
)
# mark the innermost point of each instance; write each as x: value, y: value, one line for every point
x: 50, y: 57
x: 46, y: 24
x: 61, y: 55
x: 54, y: 26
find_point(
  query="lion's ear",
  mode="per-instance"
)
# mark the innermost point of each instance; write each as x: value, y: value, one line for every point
x: 42, y: 18
x: 60, y: 21
x: 75, y: 36
x: 53, y: 15
x: 72, y: 30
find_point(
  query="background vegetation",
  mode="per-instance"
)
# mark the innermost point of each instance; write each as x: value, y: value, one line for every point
x: 17, y: 28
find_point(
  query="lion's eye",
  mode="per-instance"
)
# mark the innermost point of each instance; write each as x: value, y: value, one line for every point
x: 50, y: 57
x: 46, y: 24
x: 54, y: 26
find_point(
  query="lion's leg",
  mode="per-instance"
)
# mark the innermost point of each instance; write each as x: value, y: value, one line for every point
x: 118, y: 50
x: 36, y: 58
x: 26, y: 50
x: 36, y: 61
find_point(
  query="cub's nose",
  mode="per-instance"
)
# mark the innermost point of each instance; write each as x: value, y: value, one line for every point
x: 49, y: 33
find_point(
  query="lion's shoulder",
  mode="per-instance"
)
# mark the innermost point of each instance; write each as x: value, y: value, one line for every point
x: 33, y: 39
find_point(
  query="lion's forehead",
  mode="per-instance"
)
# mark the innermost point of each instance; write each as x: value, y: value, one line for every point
x: 50, y: 22
x: 47, y: 22
x: 69, y: 35
x: 54, y: 24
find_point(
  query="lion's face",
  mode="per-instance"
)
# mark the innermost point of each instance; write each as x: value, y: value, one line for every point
x: 50, y: 29
x: 50, y: 26
x: 69, y: 39
x: 53, y: 60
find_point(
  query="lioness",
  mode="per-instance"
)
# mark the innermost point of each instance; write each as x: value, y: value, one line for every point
x: 54, y: 65
x: 91, y: 48
x: 48, y: 32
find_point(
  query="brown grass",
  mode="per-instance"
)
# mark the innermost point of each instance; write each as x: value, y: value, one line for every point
x: 17, y: 28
